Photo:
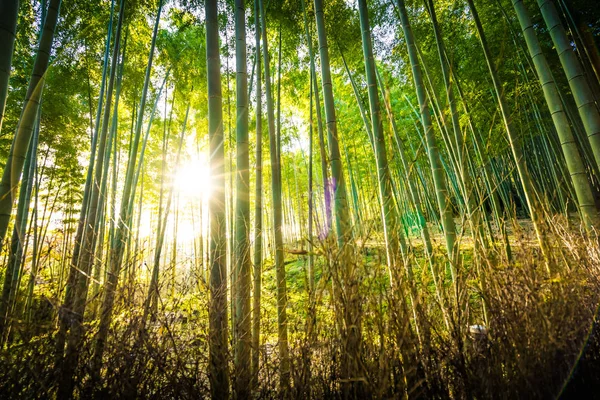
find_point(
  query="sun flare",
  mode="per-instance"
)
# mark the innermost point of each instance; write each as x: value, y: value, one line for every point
x: 193, y: 181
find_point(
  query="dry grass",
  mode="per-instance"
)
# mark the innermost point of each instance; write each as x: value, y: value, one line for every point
x: 542, y: 338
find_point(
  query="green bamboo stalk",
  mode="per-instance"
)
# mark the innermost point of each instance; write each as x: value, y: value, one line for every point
x: 395, y: 241
x: 174, y: 251
x: 9, y: 11
x: 439, y: 180
x: 351, y: 332
x: 243, y: 374
x: 582, y: 93
x: 258, y: 201
x: 110, y: 148
x: 151, y: 302
x: 16, y: 157
x: 340, y: 199
x: 73, y: 273
x: 582, y: 32
x: 121, y: 234
x: 85, y: 262
x: 581, y: 184
x: 416, y: 203
x: 491, y: 185
x: 219, y: 376
x: 284, y: 360
x: 515, y: 142
x: 15, y: 265
x: 460, y: 149
x: 355, y: 202
x: 323, y: 153
x: 36, y: 243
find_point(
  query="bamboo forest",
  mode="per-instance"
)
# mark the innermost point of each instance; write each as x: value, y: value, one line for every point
x: 299, y: 199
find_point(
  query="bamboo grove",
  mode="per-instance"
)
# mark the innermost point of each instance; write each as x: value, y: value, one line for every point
x: 299, y: 198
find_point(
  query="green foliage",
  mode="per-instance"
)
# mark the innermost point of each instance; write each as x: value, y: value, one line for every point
x: 536, y: 320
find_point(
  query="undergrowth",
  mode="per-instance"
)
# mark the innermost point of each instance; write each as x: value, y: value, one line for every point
x: 541, y: 338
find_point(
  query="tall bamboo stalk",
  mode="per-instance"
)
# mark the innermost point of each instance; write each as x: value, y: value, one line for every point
x: 121, y: 234
x: 585, y: 198
x: 151, y: 303
x: 85, y: 262
x: 9, y: 10
x: 16, y: 157
x: 218, y: 371
x: 582, y: 93
x: 315, y: 88
x: 347, y: 271
x: 64, y: 319
x: 242, y: 212
x: 258, y: 218
x: 15, y: 265
x: 282, y: 329
x: 439, y: 180
x: 513, y: 138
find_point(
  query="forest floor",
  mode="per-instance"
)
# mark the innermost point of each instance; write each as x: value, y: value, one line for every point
x: 542, y: 335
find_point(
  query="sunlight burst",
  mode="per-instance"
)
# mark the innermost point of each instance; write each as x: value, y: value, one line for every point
x: 193, y: 181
